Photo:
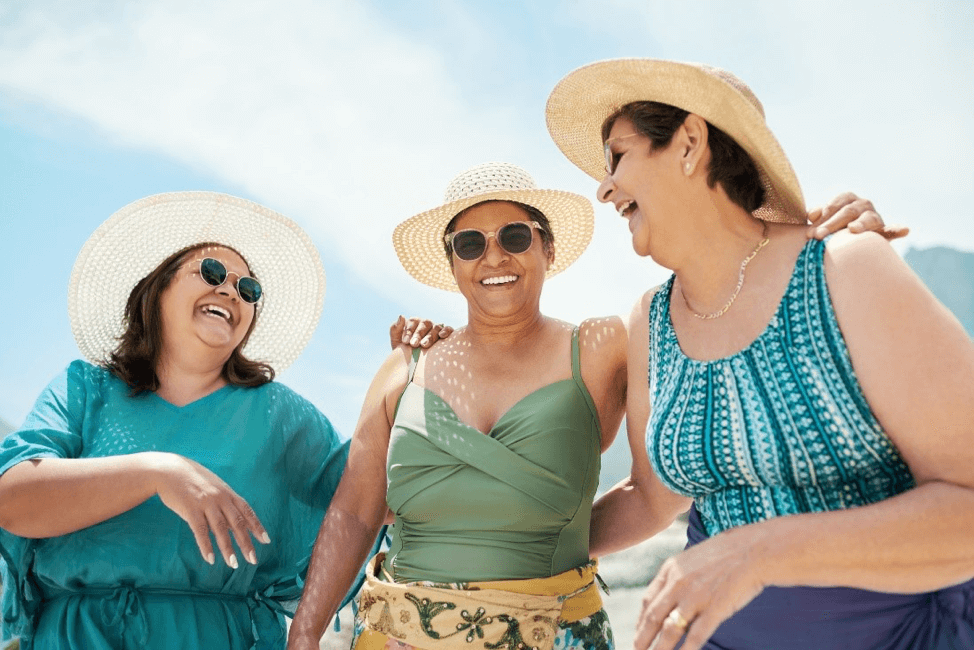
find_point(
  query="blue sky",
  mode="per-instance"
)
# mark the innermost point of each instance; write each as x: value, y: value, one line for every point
x: 351, y: 116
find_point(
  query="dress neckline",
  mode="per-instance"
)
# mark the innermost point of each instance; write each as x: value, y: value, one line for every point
x: 195, y: 403
x: 670, y: 331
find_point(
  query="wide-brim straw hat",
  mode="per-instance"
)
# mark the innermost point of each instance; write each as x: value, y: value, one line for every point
x: 140, y: 236
x: 419, y: 239
x: 581, y: 102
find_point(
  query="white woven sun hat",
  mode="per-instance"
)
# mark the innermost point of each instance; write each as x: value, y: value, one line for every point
x: 581, y: 102
x: 419, y: 239
x: 137, y: 238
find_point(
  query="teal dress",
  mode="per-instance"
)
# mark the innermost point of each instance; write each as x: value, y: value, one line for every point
x: 138, y: 580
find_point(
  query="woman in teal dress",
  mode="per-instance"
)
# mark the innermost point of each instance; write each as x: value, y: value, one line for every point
x: 172, y: 435
x: 813, y: 399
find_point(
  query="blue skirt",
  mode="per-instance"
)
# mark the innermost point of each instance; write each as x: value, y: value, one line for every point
x: 842, y: 618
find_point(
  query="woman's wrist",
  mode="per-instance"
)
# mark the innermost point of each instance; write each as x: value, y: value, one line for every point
x: 771, y: 552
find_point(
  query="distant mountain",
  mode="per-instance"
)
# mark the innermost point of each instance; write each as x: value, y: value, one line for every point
x: 5, y: 427
x: 950, y: 275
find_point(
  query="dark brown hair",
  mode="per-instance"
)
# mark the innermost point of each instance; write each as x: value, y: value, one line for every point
x: 730, y: 165
x: 134, y: 360
x: 534, y: 214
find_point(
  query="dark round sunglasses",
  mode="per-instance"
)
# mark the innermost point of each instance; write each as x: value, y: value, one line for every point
x: 214, y: 273
x: 471, y: 243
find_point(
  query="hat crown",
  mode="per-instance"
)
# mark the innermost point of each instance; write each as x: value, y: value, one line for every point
x: 487, y: 178
x: 735, y: 82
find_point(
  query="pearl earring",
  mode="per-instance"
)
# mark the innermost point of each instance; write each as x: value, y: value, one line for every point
x: 686, y: 166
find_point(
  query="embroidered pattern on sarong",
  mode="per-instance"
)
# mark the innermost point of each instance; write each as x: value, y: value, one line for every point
x: 477, y: 615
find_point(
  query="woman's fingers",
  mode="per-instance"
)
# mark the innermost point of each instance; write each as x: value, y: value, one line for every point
x: 414, y: 330
x: 653, y: 611
x: 820, y: 215
x: 396, y: 332
x: 418, y: 332
x: 220, y: 529
x: 437, y: 332
x: 210, y: 507
x: 695, y: 591
x: 894, y: 232
x: 201, y: 533
x: 849, y: 211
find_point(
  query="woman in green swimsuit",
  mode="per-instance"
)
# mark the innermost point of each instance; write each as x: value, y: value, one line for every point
x: 486, y: 448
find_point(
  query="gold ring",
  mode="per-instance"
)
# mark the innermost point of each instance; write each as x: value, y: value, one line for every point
x: 676, y: 618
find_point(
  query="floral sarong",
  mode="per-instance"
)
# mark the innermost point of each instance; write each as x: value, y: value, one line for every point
x: 563, y: 612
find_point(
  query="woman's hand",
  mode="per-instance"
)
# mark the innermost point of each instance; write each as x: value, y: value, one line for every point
x: 207, y: 504
x: 849, y: 211
x: 417, y: 332
x: 697, y: 590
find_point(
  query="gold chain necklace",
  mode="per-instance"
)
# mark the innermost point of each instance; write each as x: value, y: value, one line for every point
x: 737, y: 290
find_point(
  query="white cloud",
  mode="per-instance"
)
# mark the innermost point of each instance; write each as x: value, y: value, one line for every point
x: 320, y: 109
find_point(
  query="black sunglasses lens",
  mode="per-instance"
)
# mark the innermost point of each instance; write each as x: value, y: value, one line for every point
x: 469, y: 244
x: 249, y: 290
x: 515, y: 237
x: 213, y: 272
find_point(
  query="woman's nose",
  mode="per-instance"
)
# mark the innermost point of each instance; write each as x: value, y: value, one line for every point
x: 495, y: 252
x: 605, y: 189
x: 228, y: 288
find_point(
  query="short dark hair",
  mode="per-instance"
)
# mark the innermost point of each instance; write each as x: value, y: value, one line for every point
x: 134, y: 360
x: 730, y: 165
x: 534, y: 214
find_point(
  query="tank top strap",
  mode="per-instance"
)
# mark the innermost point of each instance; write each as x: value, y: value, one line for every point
x: 577, y: 377
x: 413, y: 362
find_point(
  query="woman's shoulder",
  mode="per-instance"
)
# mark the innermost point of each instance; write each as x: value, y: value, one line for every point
x: 279, y: 395
x: 603, y: 343
x: 82, y: 373
x: 844, y: 249
x: 602, y: 331
x: 864, y: 264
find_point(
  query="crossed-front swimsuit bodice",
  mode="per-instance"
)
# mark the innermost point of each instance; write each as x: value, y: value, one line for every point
x: 513, y: 503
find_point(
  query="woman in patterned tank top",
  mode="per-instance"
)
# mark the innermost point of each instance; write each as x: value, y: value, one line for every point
x: 812, y: 400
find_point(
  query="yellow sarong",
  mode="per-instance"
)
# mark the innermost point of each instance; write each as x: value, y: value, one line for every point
x: 495, y: 615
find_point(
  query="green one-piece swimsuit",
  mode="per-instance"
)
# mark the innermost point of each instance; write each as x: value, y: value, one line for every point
x: 514, y: 503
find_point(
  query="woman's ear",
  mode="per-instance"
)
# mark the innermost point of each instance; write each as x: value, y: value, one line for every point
x: 693, y: 142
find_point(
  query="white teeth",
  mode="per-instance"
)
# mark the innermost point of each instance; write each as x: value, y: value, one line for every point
x: 624, y: 207
x: 219, y: 311
x: 501, y: 279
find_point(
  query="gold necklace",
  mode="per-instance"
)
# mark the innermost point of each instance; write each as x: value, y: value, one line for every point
x: 737, y: 290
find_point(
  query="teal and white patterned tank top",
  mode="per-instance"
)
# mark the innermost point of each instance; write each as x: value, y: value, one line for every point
x: 779, y: 428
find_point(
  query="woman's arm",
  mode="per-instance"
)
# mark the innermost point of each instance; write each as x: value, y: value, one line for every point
x: 639, y: 506
x: 357, y: 511
x: 47, y: 497
x: 602, y: 355
x: 915, y: 365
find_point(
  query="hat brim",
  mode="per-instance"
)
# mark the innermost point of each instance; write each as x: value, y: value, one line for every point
x: 419, y: 239
x: 581, y: 102
x: 137, y: 238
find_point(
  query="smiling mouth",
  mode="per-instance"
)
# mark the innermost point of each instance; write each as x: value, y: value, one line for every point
x: 217, y: 312
x: 500, y: 279
x: 626, y: 209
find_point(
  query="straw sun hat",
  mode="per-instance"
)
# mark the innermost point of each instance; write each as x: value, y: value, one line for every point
x: 582, y: 101
x: 137, y: 238
x: 419, y: 239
